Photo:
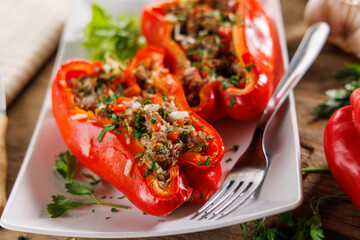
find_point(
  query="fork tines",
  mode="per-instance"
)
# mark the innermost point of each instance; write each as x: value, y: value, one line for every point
x: 224, y: 202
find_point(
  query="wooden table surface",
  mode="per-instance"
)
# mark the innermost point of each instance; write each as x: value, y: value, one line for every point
x: 341, y: 219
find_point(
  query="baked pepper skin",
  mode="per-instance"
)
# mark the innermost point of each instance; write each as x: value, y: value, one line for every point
x: 341, y: 146
x: 257, y: 48
x: 111, y: 157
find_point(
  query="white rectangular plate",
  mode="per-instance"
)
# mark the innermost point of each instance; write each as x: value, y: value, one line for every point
x: 36, y: 182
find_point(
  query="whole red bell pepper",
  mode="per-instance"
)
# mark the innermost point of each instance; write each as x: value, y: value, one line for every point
x: 257, y: 51
x: 341, y: 146
x: 115, y: 154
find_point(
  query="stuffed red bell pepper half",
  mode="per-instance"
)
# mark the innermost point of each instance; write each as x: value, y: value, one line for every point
x: 134, y: 129
x: 226, y: 53
x: 342, y: 147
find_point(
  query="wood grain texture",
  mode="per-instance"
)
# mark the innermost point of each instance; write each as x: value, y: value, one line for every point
x: 3, y: 161
x: 341, y: 219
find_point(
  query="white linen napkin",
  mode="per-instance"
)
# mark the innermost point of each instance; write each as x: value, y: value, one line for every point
x: 29, y: 34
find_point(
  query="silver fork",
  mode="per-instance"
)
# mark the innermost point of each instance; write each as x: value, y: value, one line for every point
x: 251, y: 168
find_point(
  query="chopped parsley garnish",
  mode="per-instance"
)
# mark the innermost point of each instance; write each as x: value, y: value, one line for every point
x: 152, y: 91
x: 110, y: 100
x: 147, y: 101
x: 153, y: 119
x: 107, y: 127
x: 234, y: 80
x: 207, y: 161
x: 154, y: 166
x: 209, y: 137
x: 229, y: 160
x: 225, y: 84
x: 139, y: 155
x: 199, y: 52
x: 235, y: 147
x: 249, y: 67
x: 232, y: 103
x: 208, y: 70
x: 203, y: 145
x: 139, y: 130
x: 160, y: 150
x: 138, y: 133
x: 195, y: 119
x: 170, y: 130
x: 162, y: 112
x: 183, y: 134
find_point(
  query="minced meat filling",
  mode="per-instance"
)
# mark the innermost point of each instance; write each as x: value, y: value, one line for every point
x: 203, y: 29
x: 152, y: 117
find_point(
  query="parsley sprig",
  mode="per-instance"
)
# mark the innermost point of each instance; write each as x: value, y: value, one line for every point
x: 340, y: 97
x: 65, y: 165
x: 306, y: 227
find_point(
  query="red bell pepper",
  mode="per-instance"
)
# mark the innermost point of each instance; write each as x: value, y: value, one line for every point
x: 257, y: 50
x: 116, y: 155
x: 341, y: 146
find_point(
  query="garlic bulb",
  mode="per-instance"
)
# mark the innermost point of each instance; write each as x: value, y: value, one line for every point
x: 343, y: 16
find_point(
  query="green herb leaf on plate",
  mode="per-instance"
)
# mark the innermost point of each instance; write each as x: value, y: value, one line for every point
x: 65, y: 165
x: 60, y: 205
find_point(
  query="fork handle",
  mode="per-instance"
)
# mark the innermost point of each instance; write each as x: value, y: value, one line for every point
x: 3, y: 161
x: 308, y: 50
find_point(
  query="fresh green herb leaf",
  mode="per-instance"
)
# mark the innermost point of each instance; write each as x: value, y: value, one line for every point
x: 162, y: 113
x: 225, y: 84
x: 235, y: 147
x: 77, y: 188
x: 170, y: 130
x: 160, y: 150
x: 154, y: 166
x: 209, y: 71
x: 147, y: 101
x: 183, y: 134
x: 153, y: 119
x: 234, y: 80
x: 340, y: 97
x: 139, y: 155
x: 232, y: 103
x: 60, y: 205
x: 107, y: 127
x: 119, y: 36
x: 65, y: 165
x: 249, y: 67
x: 114, y: 210
x: 307, y: 227
x: 207, y: 161
x: 286, y: 218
